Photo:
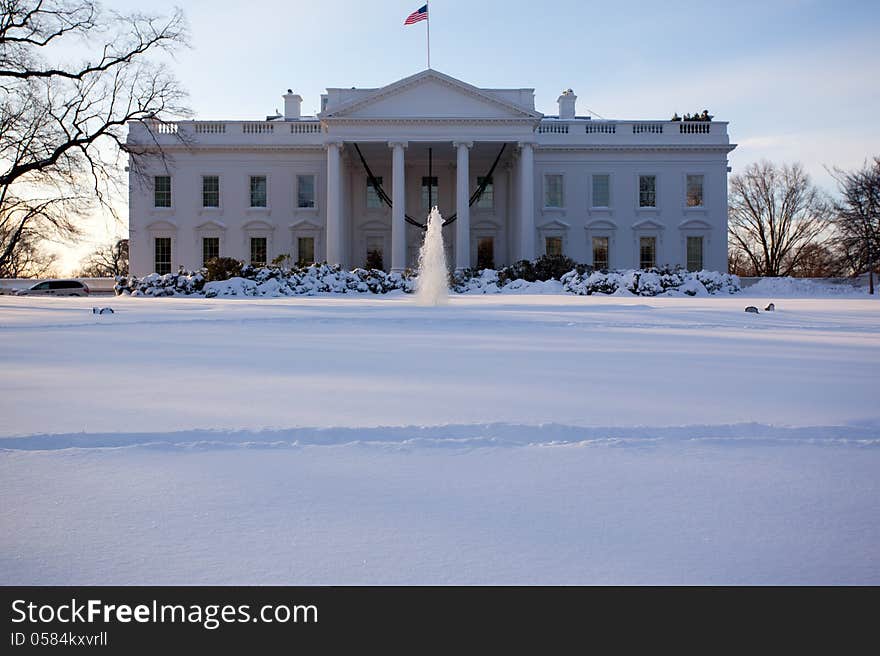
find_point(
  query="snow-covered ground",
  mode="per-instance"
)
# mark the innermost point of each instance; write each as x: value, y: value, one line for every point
x: 500, y: 439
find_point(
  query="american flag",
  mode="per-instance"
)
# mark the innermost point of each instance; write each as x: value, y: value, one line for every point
x: 418, y: 15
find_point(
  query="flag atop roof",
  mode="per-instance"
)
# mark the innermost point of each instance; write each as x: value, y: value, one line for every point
x: 418, y: 15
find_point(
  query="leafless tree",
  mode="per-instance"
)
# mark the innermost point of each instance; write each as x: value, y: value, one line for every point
x: 62, y: 121
x: 775, y: 215
x: 857, y: 218
x: 107, y: 260
x: 29, y: 259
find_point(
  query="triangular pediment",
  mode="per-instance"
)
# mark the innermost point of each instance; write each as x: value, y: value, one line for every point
x: 431, y: 95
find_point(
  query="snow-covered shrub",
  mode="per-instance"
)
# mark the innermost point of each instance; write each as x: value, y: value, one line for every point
x: 222, y: 268
x: 546, y: 267
x: 653, y: 282
x: 269, y: 281
x: 325, y: 278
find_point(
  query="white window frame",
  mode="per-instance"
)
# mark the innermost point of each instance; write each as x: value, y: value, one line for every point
x: 367, y: 187
x: 593, y: 205
x: 656, y: 241
x: 647, y: 208
x: 561, y: 177
x: 479, y: 204
x: 170, y: 239
x: 693, y: 208
x: 170, y: 205
x: 592, y: 248
x: 219, y: 204
x: 251, y: 206
x: 602, y: 227
x: 202, y: 239
x: 314, y: 206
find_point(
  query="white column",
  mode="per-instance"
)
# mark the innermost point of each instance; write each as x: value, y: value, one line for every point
x: 334, y: 203
x: 526, y: 202
x: 398, y: 208
x: 462, y: 206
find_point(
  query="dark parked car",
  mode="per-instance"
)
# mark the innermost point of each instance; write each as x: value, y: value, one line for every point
x: 56, y: 288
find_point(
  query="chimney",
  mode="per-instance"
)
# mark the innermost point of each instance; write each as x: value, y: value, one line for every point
x: 292, y: 105
x: 566, y: 104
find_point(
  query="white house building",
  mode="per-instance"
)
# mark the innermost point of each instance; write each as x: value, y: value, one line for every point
x: 348, y: 185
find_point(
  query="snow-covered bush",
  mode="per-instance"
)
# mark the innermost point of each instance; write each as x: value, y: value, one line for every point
x: 325, y: 278
x: 268, y: 281
x: 653, y: 282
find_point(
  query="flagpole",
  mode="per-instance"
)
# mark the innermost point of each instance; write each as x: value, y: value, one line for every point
x: 429, y: 32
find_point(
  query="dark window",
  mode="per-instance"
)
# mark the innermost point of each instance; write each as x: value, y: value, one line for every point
x: 373, y: 200
x: 429, y: 192
x: 305, y: 251
x: 258, y: 251
x: 647, y: 191
x: 487, y: 198
x: 42, y: 286
x: 210, y: 248
x: 163, y: 255
x: 600, y: 252
x: 210, y: 191
x: 375, y: 252
x: 162, y: 191
x: 695, y: 253
x: 486, y: 253
x: 553, y: 245
x: 305, y: 191
x: 647, y: 252
x: 259, y: 196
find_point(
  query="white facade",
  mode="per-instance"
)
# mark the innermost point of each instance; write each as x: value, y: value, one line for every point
x: 651, y: 192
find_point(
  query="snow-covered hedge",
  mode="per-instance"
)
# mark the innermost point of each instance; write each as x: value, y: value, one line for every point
x: 325, y: 278
x: 268, y: 281
x: 672, y: 282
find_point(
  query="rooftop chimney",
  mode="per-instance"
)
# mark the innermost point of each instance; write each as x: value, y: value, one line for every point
x: 566, y: 104
x: 292, y: 105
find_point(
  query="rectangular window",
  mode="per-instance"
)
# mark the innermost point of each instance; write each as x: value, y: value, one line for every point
x: 305, y: 191
x: 259, y: 197
x: 553, y: 190
x: 600, y: 253
x: 487, y: 198
x: 553, y: 245
x: 647, y: 252
x: 429, y: 192
x: 647, y: 191
x: 210, y: 248
x: 305, y: 248
x: 695, y: 191
x: 602, y: 190
x: 373, y: 200
x: 486, y: 253
x: 258, y: 251
x: 162, y: 191
x: 695, y: 253
x: 163, y: 255
x: 375, y: 254
x: 210, y: 191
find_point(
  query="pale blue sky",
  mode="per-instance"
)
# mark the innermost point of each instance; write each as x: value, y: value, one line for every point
x: 797, y: 79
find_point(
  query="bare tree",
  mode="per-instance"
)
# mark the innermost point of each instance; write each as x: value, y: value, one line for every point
x: 857, y: 218
x: 775, y: 215
x: 62, y: 122
x: 107, y: 260
x: 29, y: 258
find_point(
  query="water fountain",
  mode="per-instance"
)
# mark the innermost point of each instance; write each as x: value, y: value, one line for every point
x: 432, y: 287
